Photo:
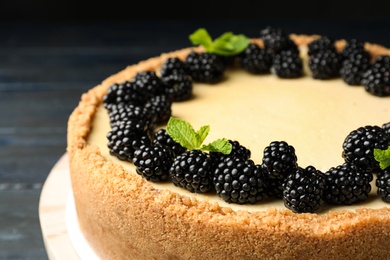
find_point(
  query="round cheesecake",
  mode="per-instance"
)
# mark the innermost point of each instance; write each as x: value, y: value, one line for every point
x: 124, y: 216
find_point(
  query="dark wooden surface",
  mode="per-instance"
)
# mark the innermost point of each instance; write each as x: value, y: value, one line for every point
x: 46, y: 66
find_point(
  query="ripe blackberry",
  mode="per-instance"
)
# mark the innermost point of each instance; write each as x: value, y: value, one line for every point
x: 358, y: 146
x: 160, y: 107
x: 121, y: 112
x: 279, y: 160
x: 204, y: 67
x: 153, y: 162
x: 376, y: 79
x: 192, y: 170
x: 238, y: 151
x: 148, y: 84
x: 163, y: 138
x: 321, y: 44
x: 352, y: 46
x: 255, y: 59
x: 303, y: 190
x: 122, y: 94
x: 172, y: 65
x: 239, y: 181
x: 386, y: 127
x: 354, y: 66
x: 275, y: 39
x: 123, y: 141
x: 383, y: 184
x: 347, y: 184
x: 325, y: 64
x: 287, y: 64
x: 177, y: 86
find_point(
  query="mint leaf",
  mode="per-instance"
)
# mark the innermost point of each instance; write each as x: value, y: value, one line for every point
x: 182, y: 133
x: 202, y: 133
x: 220, y: 145
x: 383, y: 157
x: 228, y: 44
x: 201, y: 37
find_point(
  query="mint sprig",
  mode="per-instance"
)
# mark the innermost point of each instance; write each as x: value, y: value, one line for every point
x: 228, y: 44
x: 183, y: 133
x: 383, y: 157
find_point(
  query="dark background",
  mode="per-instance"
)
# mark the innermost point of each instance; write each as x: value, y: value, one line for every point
x: 53, y: 51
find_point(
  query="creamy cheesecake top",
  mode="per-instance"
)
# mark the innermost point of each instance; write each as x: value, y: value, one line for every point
x: 314, y: 116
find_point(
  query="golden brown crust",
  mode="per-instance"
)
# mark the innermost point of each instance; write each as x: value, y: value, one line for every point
x: 124, y: 217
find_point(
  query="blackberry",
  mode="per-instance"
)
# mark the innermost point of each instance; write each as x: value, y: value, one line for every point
x: 347, y: 184
x: 279, y: 160
x: 358, y: 146
x: 204, y: 67
x: 321, y: 44
x: 172, y: 65
x: 352, y: 46
x: 122, y: 94
x: 383, y: 184
x: 160, y: 107
x: 354, y: 66
x: 255, y: 59
x: 239, y: 181
x: 177, y: 86
x: 148, y: 84
x: 303, y: 190
x: 123, y: 141
x: 121, y: 112
x: 287, y: 64
x: 192, y: 170
x: 163, y: 138
x: 386, y: 127
x: 275, y: 39
x: 325, y: 64
x: 153, y: 162
x: 238, y: 151
x: 376, y: 79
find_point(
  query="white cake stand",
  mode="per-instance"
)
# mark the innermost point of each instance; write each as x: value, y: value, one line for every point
x: 60, y: 229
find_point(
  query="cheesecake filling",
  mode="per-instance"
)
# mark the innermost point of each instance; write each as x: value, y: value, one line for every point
x: 314, y: 116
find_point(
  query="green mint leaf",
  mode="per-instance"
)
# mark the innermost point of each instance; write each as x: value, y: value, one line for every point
x: 228, y: 44
x: 383, y: 157
x: 221, y: 145
x: 201, y: 37
x: 201, y: 134
x: 183, y: 133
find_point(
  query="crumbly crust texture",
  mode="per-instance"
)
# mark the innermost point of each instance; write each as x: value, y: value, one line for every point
x: 124, y: 217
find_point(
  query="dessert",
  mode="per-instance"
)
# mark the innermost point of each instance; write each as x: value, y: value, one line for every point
x: 277, y: 157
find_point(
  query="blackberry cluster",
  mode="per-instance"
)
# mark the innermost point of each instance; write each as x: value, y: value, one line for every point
x: 303, y: 190
x: 352, y: 46
x: 192, y: 170
x: 325, y: 64
x: 153, y: 162
x: 172, y: 65
x: 376, y: 79
x: 287, y: 64
x: 177, y: 86
x: 238, y: 151
x: 358, y: 146
x: 239, y: 181
x: 255, y: 59
x: 279, y: 160
x: 354, y: 65
x: 383, y: 184
x: 159, y: 109
x: 276, y: 39
x: 204, y: 67
x: 386, y: 127
x: 162, y: 137
x: 347, y: 184
x: 321, y: 44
